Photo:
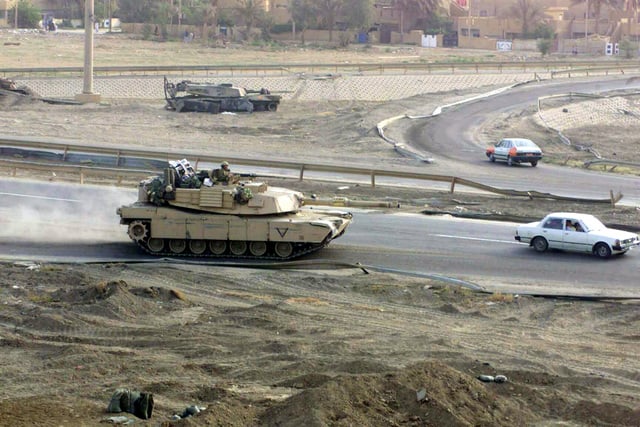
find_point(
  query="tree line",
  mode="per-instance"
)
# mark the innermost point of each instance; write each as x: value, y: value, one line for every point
x: 248, y: 14
x: 330, y: 15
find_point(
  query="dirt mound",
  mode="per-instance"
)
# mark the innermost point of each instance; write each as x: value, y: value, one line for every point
x: 428, y: 393
x: 117, y: 300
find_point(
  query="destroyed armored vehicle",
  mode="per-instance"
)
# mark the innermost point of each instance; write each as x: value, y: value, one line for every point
x: 217, y: 98
x: 186, y: 213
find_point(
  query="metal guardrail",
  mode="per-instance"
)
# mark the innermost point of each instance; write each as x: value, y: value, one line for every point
x: 615, y: 163
x: 119, y: 153
x: 596, y: 69
x: 553, y: 67
x: 565, y: 140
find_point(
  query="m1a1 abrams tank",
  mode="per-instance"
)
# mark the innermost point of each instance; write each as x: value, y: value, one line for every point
x: 217, y: 98
x: 184, y: 213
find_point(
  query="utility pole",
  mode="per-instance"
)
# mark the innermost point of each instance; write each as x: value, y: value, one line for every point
x: 586, y: 29
x: 401, y: 25
x: 15, y: 17
x: 87, y: 95
x: 469, y: 19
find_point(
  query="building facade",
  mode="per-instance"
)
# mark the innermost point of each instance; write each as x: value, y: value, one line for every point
x: 475, y: 22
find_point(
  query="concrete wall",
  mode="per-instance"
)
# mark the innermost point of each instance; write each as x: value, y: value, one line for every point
x: 318, y: 36
x: 477, y: 43
x: 520, y: 45
x: 489, y: 26
x: 174, y: 31
x: 311, y: 36
x: 595, y: 45
x: 5, y: 7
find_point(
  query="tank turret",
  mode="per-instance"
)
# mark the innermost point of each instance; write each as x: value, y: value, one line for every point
x: 186, y: 213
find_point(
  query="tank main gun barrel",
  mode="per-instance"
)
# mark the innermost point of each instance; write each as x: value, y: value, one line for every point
x: 345, y: 202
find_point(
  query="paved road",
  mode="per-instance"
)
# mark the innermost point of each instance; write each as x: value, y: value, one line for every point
x: 448, y: 138
x: 67, y: 223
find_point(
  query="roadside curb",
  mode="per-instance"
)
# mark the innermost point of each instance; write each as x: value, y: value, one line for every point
x: 409, y: 151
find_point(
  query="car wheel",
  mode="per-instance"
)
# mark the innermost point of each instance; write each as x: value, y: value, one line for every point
x: 492, y: 158
x: 534, y: 164
x: 509, y: 161
x: 540, y: 244
x: 602, y: 250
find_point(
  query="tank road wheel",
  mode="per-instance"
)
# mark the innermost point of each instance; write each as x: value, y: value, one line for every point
x: 177, y: 246
x: 197, y: 247
x: 138, y: 231
x: 238, y: 247
x: 218, y: 247
x: 272, y: 106
x: 155, y: 245
x: 258, y: 248
x: 284, y: 249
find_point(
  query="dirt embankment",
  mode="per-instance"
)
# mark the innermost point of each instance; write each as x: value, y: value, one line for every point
x: 294, y: 348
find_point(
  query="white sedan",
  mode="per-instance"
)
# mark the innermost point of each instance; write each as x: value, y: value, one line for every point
x: 515, y: 151
x: 576, y: 232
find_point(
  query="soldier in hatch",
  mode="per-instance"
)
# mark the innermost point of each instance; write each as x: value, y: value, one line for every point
x: 222, y: 175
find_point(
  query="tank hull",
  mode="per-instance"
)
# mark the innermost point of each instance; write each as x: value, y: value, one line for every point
x: 170, y: 231
x: 217, y: 98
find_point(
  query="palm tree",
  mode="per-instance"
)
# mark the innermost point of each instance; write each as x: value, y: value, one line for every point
x: 210, y: 17
x: 73, y: 8
x: 528, y: 12
x: 596, y: 6
x: 303, y: 15
x: 415, y: 9
x: 632, y: 6
x: 251, y: 12
x: 328, y: 10
x: 357, y: 13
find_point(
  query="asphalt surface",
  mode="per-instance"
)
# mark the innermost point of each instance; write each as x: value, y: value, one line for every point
x: 78, y: 223
x: 448, y: 139
x: 72, y: 223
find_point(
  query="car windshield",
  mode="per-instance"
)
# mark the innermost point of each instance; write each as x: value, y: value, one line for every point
x: 523, y: 143
x: 593, y: 223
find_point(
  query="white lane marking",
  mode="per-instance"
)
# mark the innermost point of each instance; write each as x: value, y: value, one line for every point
x: 39, y: 197
x: 449, y: 236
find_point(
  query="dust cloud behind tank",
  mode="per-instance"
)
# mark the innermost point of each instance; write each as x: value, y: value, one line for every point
x: 217, y: 98
x: 184, y: 212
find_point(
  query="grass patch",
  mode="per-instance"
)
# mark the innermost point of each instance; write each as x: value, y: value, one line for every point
x: 40, y: 298
x: 500, y: 297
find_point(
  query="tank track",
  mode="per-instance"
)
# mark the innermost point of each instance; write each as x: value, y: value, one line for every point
x: 299, y: 249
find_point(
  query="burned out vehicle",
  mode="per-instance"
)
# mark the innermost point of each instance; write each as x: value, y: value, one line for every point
x: 185, y: 213
x: 217, y: 98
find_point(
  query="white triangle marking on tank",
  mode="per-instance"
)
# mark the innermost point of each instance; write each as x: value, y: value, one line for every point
x: 282, y: 231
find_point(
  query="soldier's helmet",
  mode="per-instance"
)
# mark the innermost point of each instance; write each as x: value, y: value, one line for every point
x: 225, y: 163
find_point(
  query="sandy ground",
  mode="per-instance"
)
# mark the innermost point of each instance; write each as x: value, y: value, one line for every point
x: 335, y: 347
